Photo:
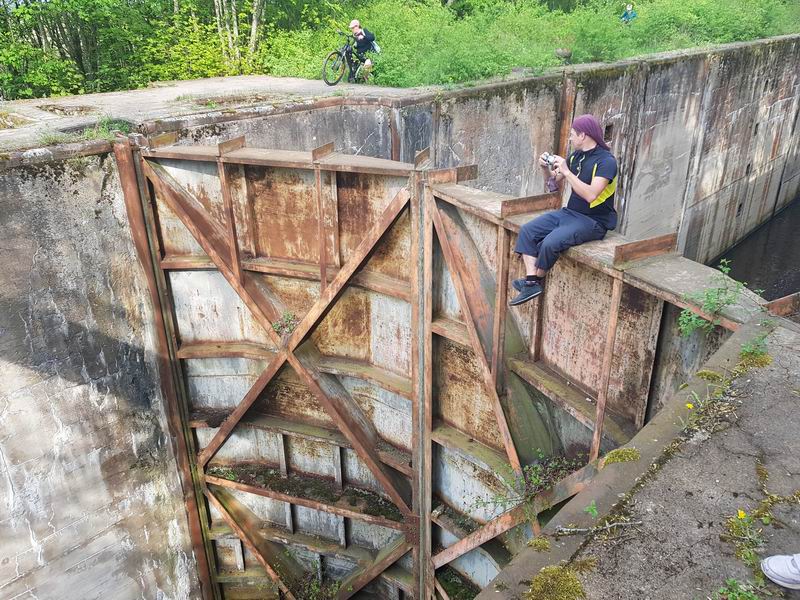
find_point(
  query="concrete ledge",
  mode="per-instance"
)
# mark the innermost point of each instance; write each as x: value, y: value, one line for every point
x: 9, y: 160
x: 614, y: 482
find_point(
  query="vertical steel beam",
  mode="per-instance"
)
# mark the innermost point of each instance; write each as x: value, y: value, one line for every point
x: 179, y: 435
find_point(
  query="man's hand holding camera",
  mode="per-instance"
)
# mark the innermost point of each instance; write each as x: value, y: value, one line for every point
x: 553, y: 162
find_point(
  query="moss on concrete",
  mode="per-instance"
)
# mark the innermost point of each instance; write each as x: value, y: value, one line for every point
x: 456, y: 585
x: 555, y: 582
x: 540, y: 544
x: 622, y: 455
x: 709, y: 375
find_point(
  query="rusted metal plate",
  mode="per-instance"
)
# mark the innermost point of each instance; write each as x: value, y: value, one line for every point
x: 475, y: 565
x: 356, y: 472
x: 345, y: 330
x: 445, y: 302
x: 296, y: 295
x: 466, y: 487
x: 390, y: 413
x: 634, y: 353
x: 391, y: 333
x: 202, y: 181
x: 176, y: 239
x: 309, y: 457
x: 575, y: 314
x: 242, y: 445
x: 284, y: 213
x: 361, y: 200
x: 460, y: 398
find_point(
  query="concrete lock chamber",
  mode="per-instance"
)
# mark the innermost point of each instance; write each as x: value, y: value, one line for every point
x: 352, y: 408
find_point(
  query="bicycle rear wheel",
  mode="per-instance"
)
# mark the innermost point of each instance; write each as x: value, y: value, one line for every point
x: 333, y: 68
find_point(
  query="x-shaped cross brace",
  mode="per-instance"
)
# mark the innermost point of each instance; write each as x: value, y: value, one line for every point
x: 343, y: 410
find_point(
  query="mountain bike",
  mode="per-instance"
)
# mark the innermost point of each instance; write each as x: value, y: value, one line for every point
x: 341, y: 60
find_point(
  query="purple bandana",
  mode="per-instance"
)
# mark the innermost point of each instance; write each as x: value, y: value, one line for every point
x: 589, y: 125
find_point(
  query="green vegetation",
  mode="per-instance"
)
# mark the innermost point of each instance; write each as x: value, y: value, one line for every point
x: 286, y: 324
x: 555, y: 582
x: 734, y: 590
x: 621, y: 455
x: 310, y: 588
x: 102, y: 130
x: 535, y: 478
x: 456, y: 586
x: 754, y: 352
x: 540, y: 544
x: 76, y: 46
x: 712, y: 300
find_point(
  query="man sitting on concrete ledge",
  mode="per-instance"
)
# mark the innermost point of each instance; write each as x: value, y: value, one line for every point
x: 591, y: 171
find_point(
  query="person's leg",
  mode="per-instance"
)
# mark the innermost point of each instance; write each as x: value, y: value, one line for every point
x: 783, y: 570
x: 530, y: 237
x: 575, y: 229
x: 528, y: 241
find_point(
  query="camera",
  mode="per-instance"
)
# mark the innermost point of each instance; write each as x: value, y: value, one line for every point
x: 549, y: 159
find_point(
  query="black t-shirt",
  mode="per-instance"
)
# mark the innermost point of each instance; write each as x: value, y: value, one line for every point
x: 596, y: 162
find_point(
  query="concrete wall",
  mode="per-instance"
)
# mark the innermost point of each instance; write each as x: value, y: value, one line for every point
x: 706, y: 140
x: 90, y: 501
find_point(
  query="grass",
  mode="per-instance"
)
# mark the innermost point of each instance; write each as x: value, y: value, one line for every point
x: 104, y: 129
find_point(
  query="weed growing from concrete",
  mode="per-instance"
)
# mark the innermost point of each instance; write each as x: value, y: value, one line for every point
x: 310, y: 588
x: 591, y: 509
x: 712, y: 301
x: 734, y: 590
x: 744, y: 529
x: 536, y: 478
x: 754, y: 353
x: 747, y: 537
x: 104, y: 129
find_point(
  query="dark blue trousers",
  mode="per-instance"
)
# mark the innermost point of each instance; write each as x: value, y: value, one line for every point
x: 546, y: 237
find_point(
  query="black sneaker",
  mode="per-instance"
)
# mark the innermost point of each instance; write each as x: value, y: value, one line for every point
x: 519, y: 284
x: 530, y: 289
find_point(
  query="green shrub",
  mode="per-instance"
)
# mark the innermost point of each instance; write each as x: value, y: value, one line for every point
x: 28, y: 72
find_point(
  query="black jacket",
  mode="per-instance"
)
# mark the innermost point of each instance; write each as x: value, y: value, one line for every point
x: 365, y: 43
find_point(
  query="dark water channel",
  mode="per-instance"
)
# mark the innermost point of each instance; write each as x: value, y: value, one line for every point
x: 769, y: 258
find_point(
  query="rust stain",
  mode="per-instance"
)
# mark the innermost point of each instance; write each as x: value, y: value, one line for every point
x: 460, y: 398
x: 285, y: 213
x: 361, y: 200
x: 297, y: 295
x: 345, y: 330
x: 393, y: 253
x: 575, y: 320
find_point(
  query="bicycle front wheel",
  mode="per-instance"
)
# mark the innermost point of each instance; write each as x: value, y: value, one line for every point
x: 333, y: 68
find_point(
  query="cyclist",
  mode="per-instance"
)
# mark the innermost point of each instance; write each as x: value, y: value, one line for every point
x: 364, y: 43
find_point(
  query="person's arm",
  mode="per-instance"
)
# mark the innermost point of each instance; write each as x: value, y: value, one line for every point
x: 606, y: 171
x: 368, y: 36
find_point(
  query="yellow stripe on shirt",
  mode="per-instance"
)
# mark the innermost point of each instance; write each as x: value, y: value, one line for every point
x: 607, y: 192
